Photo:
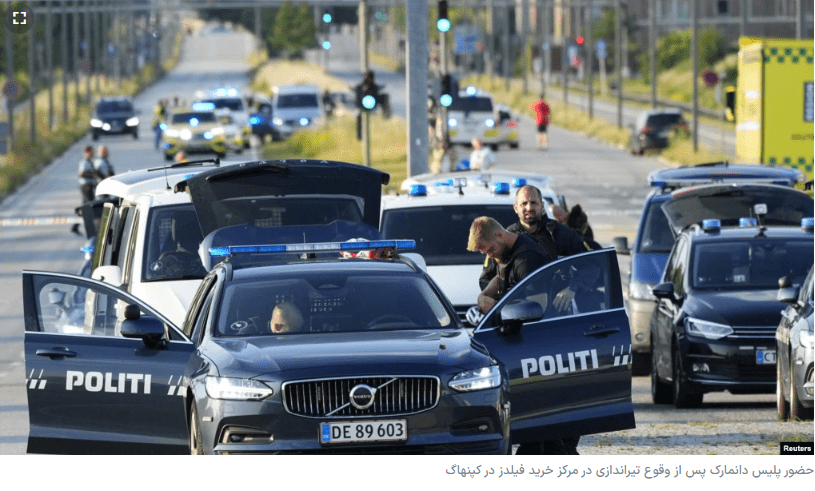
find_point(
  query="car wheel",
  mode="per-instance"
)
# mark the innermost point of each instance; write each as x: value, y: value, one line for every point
x: 660, y: 391
x: 797, y: 410
x: 494, y: 148
x: 135, y: 135
x: 640, y: 363
x: 95, y: 136
x: 781, y: 404
x: 195, y: 433
x: 513, y: 145
x: 683, y: 396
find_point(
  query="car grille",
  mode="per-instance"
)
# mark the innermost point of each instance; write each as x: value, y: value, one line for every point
x: 761, y: 332
x: 330, y: 398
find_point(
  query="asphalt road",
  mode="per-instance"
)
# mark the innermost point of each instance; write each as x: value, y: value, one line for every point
x: 607, y: 181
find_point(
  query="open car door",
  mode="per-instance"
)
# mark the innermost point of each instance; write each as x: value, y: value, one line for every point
x: 569, y: 371
x: 103, y: 370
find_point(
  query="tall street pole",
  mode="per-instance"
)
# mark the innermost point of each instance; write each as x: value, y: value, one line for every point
x: 694, y: 53
x: 32, y: 85
x: 49, y: 62
x: 491, y: 39
x: 64, y: 59
x: 652, y: 42
x: 10, y: 78
x: 417, y: 54
x: 618, y: 58
x: 363, y: 49
x: 525, y: 43
x: 507, y: 52
x: 590, y: 55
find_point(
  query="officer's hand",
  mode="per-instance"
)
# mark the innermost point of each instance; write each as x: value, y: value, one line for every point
x: 485, y: 303
x: 563, y: 299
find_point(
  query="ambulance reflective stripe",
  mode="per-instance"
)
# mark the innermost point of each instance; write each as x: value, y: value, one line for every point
x: 36, y: 383
x: 621, y: 359
x: 98, y: 382
x: 560, y: 363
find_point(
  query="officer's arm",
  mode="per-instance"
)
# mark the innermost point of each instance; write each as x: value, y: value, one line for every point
x: 489, y: 296
x: 487, y: 273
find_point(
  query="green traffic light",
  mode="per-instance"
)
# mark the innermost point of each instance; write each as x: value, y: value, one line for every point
x: 443, y: 25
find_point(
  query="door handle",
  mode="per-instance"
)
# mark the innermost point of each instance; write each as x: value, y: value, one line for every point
x: 601, y: 331
x: 54, y: 353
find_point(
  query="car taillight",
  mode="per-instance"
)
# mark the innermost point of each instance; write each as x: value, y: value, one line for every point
x: 647, y: 129
x: 512, y: 124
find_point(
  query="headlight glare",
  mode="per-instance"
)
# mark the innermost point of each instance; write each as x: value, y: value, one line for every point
x: 639, y: 290
x: 134, y: 121
x: 171, y: 133
x: 477, y: 379
x: 705, y: 329
x: 237, y: 389
x: 96, y: 123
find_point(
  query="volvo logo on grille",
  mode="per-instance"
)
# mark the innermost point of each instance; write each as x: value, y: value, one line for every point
x: 474, y: 315
x: 362, y: 396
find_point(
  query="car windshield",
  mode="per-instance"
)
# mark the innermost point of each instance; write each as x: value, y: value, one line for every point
x: 297, y: 100
x: 316, y: 302
x: 656, y: 233
x: 171, y: 245
x: 467, y: 104
x: 661, y: 120
x: 233, y: 104
x: 114, y: 107
x: 755, y: 263
x: 441, y: 232
x: 199, y: 117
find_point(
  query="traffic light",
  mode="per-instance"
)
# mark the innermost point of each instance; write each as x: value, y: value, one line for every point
x: 327, y: 17
x: 367, y: 93
x: 579, y: 40
x: 446, y: 95
x: 443, y: 24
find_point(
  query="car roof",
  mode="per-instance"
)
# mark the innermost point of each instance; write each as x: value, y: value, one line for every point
x: 667, y: 110
x: 476, y: 179
x: 296, y: 89
x: 323, y: 265
x: 154, y: 181
x: 452, y: 199
x: 722, y: 172
x: 697, y: 234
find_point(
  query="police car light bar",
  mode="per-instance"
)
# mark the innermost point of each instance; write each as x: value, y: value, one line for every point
x: 711, y: 225
x: 203, y: 106
x: 808, y: 224
x: 703, y: 179
x: 311, y: 247
x: 500, y: 188
x: 417, y: 190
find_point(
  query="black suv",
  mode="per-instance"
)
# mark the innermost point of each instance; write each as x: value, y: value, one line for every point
x: 114, y: 116
x: 714, y: 325
x: 653, y: 129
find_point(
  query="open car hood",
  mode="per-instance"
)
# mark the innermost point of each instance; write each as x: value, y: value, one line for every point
x: 256, y: 193
x: 729, y: 202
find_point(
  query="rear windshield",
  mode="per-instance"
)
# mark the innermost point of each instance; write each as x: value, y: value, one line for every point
x: 467, y: 104
x: 297, y: 100
x: 187, y: 118
x: 757, y: 263
x: 171, y: 245
x: 114, y: 107
x: 318, y: 302
x: 656, y: 234
x: 233, y: 104
x: 664, y: 119
x: 441, y: 232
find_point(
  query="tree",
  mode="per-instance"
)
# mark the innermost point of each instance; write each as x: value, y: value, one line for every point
x: 294, y: 30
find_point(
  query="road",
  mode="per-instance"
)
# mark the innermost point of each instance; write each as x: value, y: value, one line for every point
x: 608, y: 182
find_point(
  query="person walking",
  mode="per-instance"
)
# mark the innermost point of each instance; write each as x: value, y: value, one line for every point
x: 87, y: 176
x: 541, y: 110
x: 159, y: 114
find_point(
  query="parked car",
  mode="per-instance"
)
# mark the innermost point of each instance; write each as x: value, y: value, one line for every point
x: 795, y: 348
x: 653, y: 129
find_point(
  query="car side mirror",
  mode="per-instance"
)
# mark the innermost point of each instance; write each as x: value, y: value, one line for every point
x: 149, y: 329
x: 664, y: 290
x: 788, y: 294
x: 620, y: 244
x: 514, y: 315
x: 784, y: 282
x: 111, y: 275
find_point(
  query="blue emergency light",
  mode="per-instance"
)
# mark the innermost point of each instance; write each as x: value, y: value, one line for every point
x: 748, y: 222
x: 471, y: 91
x: 203, y: 106
x: 254, y: 120
x: 711, y: 225
x: 311, y: 247
x: 417, y: 190
x: 500, y: 188
x: 808, y: 224
x: 518, y: 182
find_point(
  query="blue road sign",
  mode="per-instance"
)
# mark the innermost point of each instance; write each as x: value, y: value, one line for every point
x: 600, y: 49
x: 466, y: 43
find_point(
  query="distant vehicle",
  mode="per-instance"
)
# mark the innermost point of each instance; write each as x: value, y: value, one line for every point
x: 714, y: 325
x: 233, y: 133
x: 228, y: 99
x: 508, y: 126
x: 114, y: 116
x: 299, y: 106
x: 262, y: 123
x: 795, y: 347
x: 473, y: 114
x: 653, y: 129
x: 654, y: 238
x: 193, y: 130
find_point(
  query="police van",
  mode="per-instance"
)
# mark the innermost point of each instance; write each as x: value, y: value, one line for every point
x: 473, y: 115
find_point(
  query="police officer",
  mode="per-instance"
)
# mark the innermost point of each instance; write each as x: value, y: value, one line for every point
x: 102, y: 164
x: 87, y: 176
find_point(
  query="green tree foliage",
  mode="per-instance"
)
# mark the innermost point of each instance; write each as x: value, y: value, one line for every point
x: 604, y: 29
x: 294, y: 30
x: 674, y: 48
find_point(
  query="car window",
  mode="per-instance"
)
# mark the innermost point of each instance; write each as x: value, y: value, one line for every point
x: 297, y: 100
x: 233, y: 104
x: 678, y: 270
x: 467, y: 104
x: 661, y: 120
x: 757, y: 263
x: 171, y: 245
x: 114, y: 107
x: 193, y: 118
x: 656, y: 233
x: 441, y: 232
x: 331, y: 303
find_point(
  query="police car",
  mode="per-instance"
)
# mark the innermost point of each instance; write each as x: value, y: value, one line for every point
x: 508, y: 125
x: 375, y: 361
x: 473, y: 115
x: 438, y: 217
x: 226, y: 99
x: 714, y: 325
x: 655, y: 238
x: 148, y: 242
x: 233, y: 133
x: 193, y: 129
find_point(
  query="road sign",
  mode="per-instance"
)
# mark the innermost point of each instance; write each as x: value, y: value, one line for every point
x: 710, y: 78
x: 11, y: 89
x: 466, y: 43
x: 600, y: 49
x: 575, y: 61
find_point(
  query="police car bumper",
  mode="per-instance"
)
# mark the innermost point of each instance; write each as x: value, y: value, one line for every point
x: 639, y: 315
x: 739, y: 366
x: 461, y: 423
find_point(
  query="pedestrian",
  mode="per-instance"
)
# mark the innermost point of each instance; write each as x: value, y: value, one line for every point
x: 444, y: 155
x: 103, y: 167
x: 541, y: 110
x: 87, y: 176
x: 180, y: 157
x: 159, y: 115
x: 481, y: 157
x: 579, y: 222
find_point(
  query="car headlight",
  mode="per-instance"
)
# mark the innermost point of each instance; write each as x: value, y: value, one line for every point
x: 171, y: 133
x: 477, y: 379
x: 705, y: 329
x: 96, y: 123
x: 237, y: 389
x: 452, y: 122
x: 277, y: 122
x: 185, y: 134
x: 217, y: 131
x: 806, y: 339
x: 134, y: 121
x: 639, y: 290
x: 489, y: 123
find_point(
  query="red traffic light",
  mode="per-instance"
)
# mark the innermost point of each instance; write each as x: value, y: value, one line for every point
x: 579, y: 40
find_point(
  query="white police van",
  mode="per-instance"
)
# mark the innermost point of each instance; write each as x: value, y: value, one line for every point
x: 473, y: 114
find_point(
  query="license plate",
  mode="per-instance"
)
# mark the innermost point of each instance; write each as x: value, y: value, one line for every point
x: 765, y: 357
x: 386, y: 430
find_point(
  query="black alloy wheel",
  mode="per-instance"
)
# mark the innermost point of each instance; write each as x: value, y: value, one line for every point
x: 797, y: 410
x: 195, y: 433
x: 684, y: 397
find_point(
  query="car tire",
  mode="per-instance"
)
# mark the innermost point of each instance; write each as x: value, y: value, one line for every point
x: 135, y: 135
x: 797, y: 410
x: 781, y: 404
x: 514, y: 145
x: 660, y: 391
x: 640, y: 363
x: 195, y: 432
x: 684, y: 397
x: 95, y: 136
x: 494, y: 148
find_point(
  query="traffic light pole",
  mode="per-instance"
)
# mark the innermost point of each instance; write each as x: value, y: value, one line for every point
x: 445, y: 130
x: 363, y: 49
